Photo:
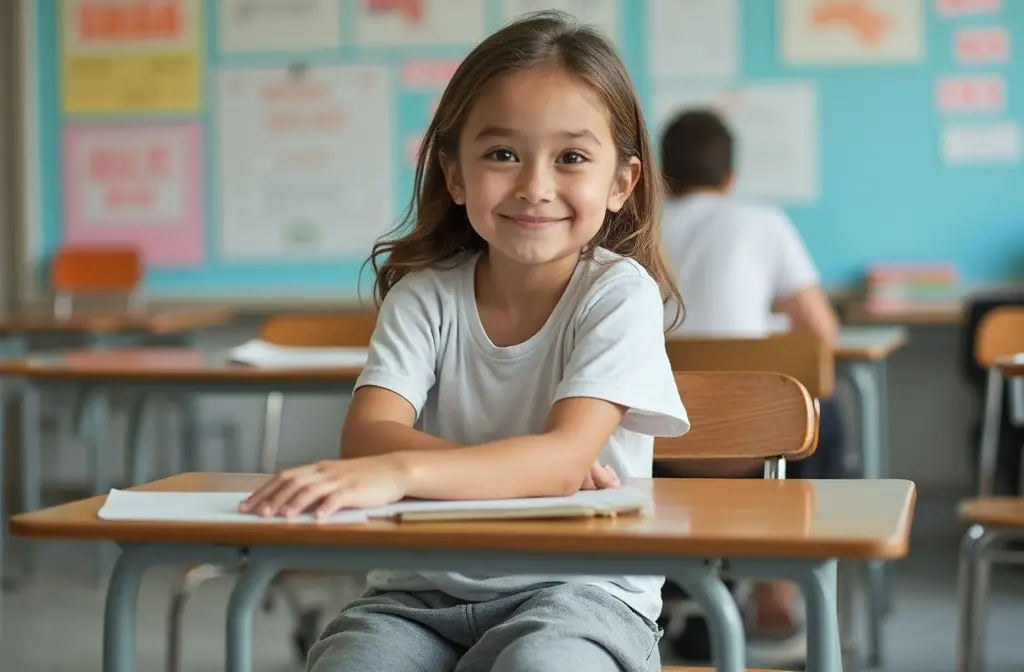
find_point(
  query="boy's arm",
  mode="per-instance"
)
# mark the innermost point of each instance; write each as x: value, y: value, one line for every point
x: 810, y: 312
x: 798, y: 290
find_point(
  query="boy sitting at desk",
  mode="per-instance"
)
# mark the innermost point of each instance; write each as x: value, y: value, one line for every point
x: 737, y: 265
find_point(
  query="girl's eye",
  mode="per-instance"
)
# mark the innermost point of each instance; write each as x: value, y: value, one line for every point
x: 502, y: 155
x: 573, y: 157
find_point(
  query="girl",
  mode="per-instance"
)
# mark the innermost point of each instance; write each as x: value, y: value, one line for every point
x: 519, y: 339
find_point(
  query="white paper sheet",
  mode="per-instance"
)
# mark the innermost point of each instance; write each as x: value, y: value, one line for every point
x: 602, y: 14
x: 279, y: 25
x: 266, y: 355
x: 305, y: 162
x: 697, y: 38
x: 846, y: 32
x: 996, y: 143
x: 420, y: 23
x: 222, y: 507
x: 776, y: 125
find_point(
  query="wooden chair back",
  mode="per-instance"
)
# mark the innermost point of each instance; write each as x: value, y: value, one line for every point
x: 795, y: 355
x: 343, y: 330
x: 92, y: 271
x: 739, y: 415
x: 1000, y: 334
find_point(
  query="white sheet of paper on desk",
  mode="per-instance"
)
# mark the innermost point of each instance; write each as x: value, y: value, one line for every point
x: 222, y: 507
x: 266, y: 355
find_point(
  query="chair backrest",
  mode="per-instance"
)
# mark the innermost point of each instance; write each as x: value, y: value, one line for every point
x: 1000, y: 334
x: 93, y: 271
x: 742, y: 415
x: 340, y: 330
x: 795, y: 355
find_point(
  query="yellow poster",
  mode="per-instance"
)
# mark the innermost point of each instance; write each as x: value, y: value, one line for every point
x: 130, y: 56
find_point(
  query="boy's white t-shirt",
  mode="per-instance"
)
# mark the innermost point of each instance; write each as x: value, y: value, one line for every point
x: 604, y: 339
x: 732, y: 261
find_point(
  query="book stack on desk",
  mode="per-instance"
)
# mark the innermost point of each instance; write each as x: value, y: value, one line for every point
x: 908, y: 288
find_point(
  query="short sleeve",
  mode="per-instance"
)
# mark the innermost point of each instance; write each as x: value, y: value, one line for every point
x: 795, y: 270
x: 619, y: 356
x: 404, y: 345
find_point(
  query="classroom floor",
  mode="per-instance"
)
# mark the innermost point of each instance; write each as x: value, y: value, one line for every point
x: 54, y: 624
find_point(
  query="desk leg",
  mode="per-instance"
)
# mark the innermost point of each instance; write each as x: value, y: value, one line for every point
x: 121, y: 609
x: 818, y: 584
x: 866, y: 381
x: 823, y: 647
x: 728, y: 639
x: 245, y: 597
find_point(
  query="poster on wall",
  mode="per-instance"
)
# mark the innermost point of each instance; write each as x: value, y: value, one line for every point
x: 420, y: 23
x: 129, y: 57
x: 962, y: 94
x: 985, y: 144
x: 776, y: 129
x: 851, y: 32
x: 137, y: 184
x: 305, y: 162
x: 981, y: 44
x: 279, y: 25
x: 967, y: 7
x: 696, y: 38
x: 602, y: 14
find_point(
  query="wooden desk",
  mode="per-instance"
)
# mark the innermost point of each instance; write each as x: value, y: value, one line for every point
x: 941, y: 315
x: 780, y: 529
x: 105, y: 322
x: 869, y: 343
x: 149, y: 372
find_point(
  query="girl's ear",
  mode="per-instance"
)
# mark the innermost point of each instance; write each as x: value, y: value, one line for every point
x: 453, y: 178
x: 625, y: 181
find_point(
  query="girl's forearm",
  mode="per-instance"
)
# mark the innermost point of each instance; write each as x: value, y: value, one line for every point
x: 542, y: 465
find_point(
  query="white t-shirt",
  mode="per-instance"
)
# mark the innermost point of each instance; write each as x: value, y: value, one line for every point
x: 604, y: 339
x: 732, y: 261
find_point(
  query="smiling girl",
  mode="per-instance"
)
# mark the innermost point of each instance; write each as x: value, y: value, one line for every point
x: 519, y: 344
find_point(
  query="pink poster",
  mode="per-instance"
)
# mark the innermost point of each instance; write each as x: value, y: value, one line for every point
x: 138, y: 184
x: 965, y: 7
x: 982, y: 44
x: 962, y: 94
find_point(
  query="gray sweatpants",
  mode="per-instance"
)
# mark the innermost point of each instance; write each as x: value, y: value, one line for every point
x: 563, y: 628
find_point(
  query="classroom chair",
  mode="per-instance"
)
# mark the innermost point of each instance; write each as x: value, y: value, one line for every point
x: 792, y: 354
x: 93, y: 272
x: 995, y: 523
x: 346, y: 330
x: 999, y: 333
x: 742, y: 415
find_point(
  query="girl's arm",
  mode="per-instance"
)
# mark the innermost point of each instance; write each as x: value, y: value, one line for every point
x: 554, y: 462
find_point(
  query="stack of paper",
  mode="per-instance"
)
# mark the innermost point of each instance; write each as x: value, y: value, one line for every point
x: 222, y: 507
x: 266, y: 355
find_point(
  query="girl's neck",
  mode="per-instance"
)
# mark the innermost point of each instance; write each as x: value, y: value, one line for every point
x: 505, y: 284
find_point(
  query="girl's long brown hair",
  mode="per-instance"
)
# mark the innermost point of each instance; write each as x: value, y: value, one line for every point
x: 434, y: 229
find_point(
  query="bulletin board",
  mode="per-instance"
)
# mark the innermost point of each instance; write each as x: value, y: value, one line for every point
x: 254, y: 149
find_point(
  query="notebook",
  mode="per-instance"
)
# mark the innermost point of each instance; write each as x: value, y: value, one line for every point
x: 266, y: 355
x: 222, y: 507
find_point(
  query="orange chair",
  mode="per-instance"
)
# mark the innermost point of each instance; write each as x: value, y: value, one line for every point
x: 96, y: 272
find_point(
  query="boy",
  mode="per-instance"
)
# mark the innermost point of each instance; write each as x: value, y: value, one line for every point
x: 736, y: 265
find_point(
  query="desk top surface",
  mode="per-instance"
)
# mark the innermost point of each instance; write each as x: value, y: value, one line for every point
x: 114, y: 321
x: 159, y: 365
x: 869, y: 343
x: 716, y: 517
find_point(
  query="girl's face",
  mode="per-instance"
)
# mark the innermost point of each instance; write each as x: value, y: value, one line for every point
x: 537, y: 167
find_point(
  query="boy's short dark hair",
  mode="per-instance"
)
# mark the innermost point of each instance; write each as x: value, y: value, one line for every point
x: 696, y: 152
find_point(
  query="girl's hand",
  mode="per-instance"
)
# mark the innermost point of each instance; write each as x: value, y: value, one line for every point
x: 328, y: 486
x: 600, y: 477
